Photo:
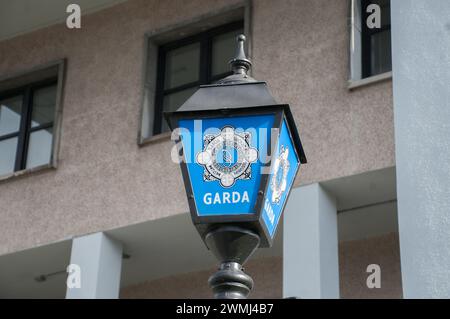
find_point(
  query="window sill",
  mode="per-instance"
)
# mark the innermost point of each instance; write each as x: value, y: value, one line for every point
x: 25, y: 172
x: 155, y: 139
x: 353, y: 84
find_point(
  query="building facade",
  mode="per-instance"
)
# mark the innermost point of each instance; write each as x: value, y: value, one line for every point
x: 85, y: 157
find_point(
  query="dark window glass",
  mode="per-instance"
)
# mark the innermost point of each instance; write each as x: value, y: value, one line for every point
x: 39, y: 147
x: 26, y: 126
x: 223, y: 49
x: 8, y: 149
x: 185, y: 64
x: 10, y: 114
x: 376, y: 42
x: 173, y: 101
x: 182, y: 66
x: 43, y: 106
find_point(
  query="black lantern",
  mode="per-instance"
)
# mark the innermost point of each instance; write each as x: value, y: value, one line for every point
x: 239, y: 155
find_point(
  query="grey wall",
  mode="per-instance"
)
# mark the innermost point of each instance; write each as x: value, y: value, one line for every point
x: 421, y: 70
x: 310, y: 244
x: 99, y: 259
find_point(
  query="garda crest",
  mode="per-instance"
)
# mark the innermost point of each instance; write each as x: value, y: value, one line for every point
x: 227, y: 156
x: 278, y: 183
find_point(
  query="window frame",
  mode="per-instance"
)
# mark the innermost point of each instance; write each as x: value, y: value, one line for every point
x: 205, y: 40
x: 25, y: 128
x: 12, y: 82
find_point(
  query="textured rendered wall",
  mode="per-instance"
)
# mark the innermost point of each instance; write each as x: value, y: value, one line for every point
x: 354, y: 256
x: 104, y: 180
x: 421, y: 66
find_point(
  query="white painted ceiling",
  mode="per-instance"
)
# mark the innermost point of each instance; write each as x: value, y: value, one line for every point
x: 22, y: 16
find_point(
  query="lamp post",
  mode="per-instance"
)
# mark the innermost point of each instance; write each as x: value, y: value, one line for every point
x: 239, y: 153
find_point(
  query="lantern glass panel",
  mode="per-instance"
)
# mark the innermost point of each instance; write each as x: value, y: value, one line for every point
x: 224, y: 159
x: 285, y: 164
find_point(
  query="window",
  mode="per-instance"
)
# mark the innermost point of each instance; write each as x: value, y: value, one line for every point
x: 27, y: 117
x: 185, y: 64
x: 370, y: 47
x: 180, y: 57
x: 376, y: 42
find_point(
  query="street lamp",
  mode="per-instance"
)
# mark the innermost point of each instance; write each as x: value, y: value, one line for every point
x: 239, y: 153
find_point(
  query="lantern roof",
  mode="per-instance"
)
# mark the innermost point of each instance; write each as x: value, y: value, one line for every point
x: 229, y: 96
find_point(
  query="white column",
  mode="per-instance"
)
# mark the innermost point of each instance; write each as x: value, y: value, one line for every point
x: 99, y: 258
x: 310, y: 244
x: 421, y: 82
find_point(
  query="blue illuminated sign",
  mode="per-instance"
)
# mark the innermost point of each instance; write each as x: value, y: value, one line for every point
x: 224, y: 158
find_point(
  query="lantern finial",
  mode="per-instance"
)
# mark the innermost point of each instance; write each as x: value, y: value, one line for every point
x: 240, y: 64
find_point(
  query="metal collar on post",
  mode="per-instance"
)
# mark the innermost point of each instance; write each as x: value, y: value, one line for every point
x: 232, y: 246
